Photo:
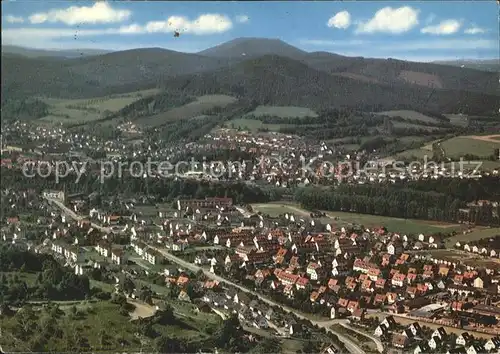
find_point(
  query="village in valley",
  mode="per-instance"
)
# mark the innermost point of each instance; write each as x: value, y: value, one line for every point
x: 293, y: 271
x: 171, y: 181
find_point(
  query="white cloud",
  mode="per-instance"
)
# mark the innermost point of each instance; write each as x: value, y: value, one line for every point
x: 443, y: 28
x: 100, y: 12
x: 14, y: 19
x: 340, y: 20
x: 475, y: 30
x: 242, y: 18
x: 204, y: 24
x: 390, y: 20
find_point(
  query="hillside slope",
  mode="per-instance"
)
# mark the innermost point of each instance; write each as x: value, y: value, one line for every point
x: 277, y: 80
x: 37, y: 53
x: 325, y: 79
x: 98, y: 75
x: 252, y: 48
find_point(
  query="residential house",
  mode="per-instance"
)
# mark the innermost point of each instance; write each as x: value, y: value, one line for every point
x: 314, y: 270
x: 151, y: 255
x: 398, y: 279
x: 435, y: 342
x: 440, y: 332
x: 399, y: 341
x: 138, y: 247
x: 493, y: 344
x: 302, y: 283
x: 464, y: 339
x: 389, y: 322
x: 475, y: 349
x: 381, y: 331
x: 423, y: 348
x: 118, y: 256
x: 103, y: 247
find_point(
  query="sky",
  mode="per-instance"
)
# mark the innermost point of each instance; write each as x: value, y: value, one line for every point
x: 421, y: 31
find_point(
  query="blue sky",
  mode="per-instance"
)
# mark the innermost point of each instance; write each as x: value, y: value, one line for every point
x: 424, y: 31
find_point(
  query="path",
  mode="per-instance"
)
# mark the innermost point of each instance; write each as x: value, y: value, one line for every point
x: 378, y: 343
x: 350, y: 345
x: 75, y: 216
x: 405, y: 320
x: 489, y: 138
x: 141, y: 310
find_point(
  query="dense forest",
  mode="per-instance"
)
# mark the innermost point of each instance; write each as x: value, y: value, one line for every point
x: 421, y: 200
x: 274, y: 80
x: 157, y: 189
x: 23, y: 109
x: 310, y: 81
x: 53, y: 282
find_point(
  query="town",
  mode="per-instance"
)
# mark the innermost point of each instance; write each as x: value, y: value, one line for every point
x: 387, y: 289
x: 250, y: 177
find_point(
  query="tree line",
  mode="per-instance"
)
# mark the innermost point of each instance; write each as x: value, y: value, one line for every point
x: 53, y: 282
x: 394, y: 201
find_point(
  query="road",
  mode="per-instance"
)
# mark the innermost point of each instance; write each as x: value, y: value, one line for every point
x: 75, y: 216
x: 244, y: 212
x: 350, y: 345
x: 378, y: 343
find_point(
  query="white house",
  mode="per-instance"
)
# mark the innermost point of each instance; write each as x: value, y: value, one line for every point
x: 475, y: 349
x: 118, y: 256
x: 493, y: 344
x: 464, y: 339
x: 434, y: 342
x: 381, y: 330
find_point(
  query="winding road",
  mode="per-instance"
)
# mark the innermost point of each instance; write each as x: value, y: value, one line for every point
x: 74, y: 215
x: 350, y: 345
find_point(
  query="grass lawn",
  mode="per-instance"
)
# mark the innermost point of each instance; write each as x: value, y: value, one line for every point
x: 365, y: 342
x: 75, y: 111
x: 339, y: 219
x: 283, y: 111
x: 94, y: 318
x: 408, y: 226
x: 461, y: 145
x: 477, y: 234
x: 102, y: 316
x: 409, y: 115
x: 467, y: 258
x: 29, y: 278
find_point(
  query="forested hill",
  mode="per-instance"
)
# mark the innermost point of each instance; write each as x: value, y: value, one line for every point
x: 278, y: 80
x: 270, y: 71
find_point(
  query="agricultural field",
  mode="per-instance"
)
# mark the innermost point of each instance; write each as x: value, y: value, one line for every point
x: 409, y: 115
x: 460, y: 120
x: 191, y: 110
x: 475, y: 145
x: 253, y: 125
x: 339, y: 219
x: 405, y: 226
x: 407, y: 125
x: 457, y: 147
x: 477, y: 234
x: 283, y: 111
x: 467, y: 258
x: 78, y: 111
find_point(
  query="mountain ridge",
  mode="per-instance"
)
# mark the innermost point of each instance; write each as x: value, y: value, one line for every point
x: 130, y: 70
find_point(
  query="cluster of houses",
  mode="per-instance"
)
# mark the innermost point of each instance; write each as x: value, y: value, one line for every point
x: 438, y: 341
